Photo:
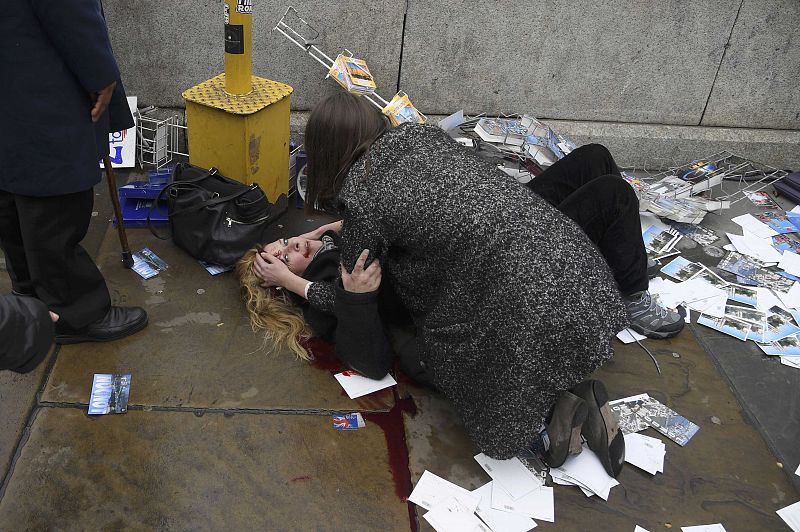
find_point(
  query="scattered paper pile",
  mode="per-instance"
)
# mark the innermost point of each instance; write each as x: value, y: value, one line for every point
x: 645, y: 452
x: 585, y: 471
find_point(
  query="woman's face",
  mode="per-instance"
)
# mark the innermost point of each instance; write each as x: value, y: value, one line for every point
x: 295, y: 252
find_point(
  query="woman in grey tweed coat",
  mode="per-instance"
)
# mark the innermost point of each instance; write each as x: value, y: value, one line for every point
x: 512, y: 302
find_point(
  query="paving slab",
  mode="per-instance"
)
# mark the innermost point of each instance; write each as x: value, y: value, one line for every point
x: 17, y: 400
x: 179, y: 471
x: 198, y: 350
x: 726, y: 473
x: 580, y: 60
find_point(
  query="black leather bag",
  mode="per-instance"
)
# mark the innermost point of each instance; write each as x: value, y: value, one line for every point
x: 213, y: 218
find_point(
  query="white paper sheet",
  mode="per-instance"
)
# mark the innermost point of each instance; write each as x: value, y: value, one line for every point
x: 587, y: 470
x: 766, y: 299
x: 450, y: 515
x: 432, y: 489
x: 791, y: 515
x: 703, y: 297
x: 790, y: 263
x: 537, y: 504
x: 716, y: 527
x: 792, y: 362
x: 640, y: 529
x: 511, y: 474
x: 497, y: 519
x: 752, y: 224
x: 791, y: 299
x: 645, y: 452
x: 357, y: 385
x: 756, y: 247
x: 797, y: 472
x: 628, y: 336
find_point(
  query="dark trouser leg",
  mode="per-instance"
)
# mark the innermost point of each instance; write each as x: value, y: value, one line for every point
x: 13, y: 247
x: 63, y: 274
x: 572, y: 172
x: 607, y: 210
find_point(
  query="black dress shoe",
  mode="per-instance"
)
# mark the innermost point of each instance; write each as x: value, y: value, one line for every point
x: 601, y: 429
x: 118, y: 323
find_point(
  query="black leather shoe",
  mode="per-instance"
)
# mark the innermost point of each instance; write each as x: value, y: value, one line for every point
x: 601, y: 429
x: 118, y: 323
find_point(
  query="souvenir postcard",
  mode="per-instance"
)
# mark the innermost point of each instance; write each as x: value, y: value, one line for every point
x: 731, y: 326
x: 777, y: 221
x: 711, y: 278
x: 147, y: 264
x: 742, y: 266
x: 780, y: 324
x: 786, y: 242
x: 682, y: 269
x: 788, y: 346
x: 667, y: 421
x: 624, y: 410
x: 110, y: 394
x: 761, y: 199
x: 745, y: 281
x: 659, y: 241
x: 742, y: 294
x: 702, y: 235
x: 400, y: 111
x: 214, y: 269
x: 352, y: 421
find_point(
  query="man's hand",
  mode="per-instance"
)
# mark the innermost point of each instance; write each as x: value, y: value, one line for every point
x: 53, y: 316
x: 362, y: 280
x: 101, y: 100
x: 271, y: 270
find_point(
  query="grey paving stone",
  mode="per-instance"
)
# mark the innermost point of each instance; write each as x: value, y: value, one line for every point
x: 178, y: 471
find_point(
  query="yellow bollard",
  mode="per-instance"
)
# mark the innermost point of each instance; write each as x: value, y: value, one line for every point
x: 238, y: 49
x: 239, y: 123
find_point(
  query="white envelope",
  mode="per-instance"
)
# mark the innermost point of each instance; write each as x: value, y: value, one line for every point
x: 512, y: 474
x: 498, y: 519
x: 431, y: 490
x: 537, y: 504
x: 452, y: 516
x: 357, y: 385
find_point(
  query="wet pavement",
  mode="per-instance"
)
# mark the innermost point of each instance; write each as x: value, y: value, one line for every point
x: 223, y: 435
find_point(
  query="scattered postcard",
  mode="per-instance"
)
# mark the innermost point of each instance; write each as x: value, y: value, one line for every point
x: 746, y: 313
x: 780, y: 324
x: 777, y: 221
x: 682, y: 269
x: 786, y: 242
x: 699, y: 295
x: 761, y: 199
x: 147, y: 264
x: 110, y: 394
x: 731, y: 326
x: 624, y: 410
x: 214, y: 269
x: 788, y: 347
x: 791, y: 515
x: 790, y: 263
x: 792, y: 362
x: 667, y: 421
x: 431, y: 490
x: 645, y: 452
x: 702, y: 235
x: 716, y: 527
x: 499, y: 519
x: 585, y: 470
x: 742, y: 294
x: 791, y: 299
x: 357, y: 385
x: 537, y: 504
x: 754, y: 225
x: 742, y: 266
x: 511, y: 474
x: 758, y: 248
x: 352, y: 421
x: 628, y: 336
x: 659, y: 241
x: 451, y: 515
x: 711, y: 278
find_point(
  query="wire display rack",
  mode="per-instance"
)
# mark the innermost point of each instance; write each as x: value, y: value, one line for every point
x: 158, y: 140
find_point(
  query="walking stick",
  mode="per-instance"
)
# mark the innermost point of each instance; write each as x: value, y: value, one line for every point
x: 127, y: 258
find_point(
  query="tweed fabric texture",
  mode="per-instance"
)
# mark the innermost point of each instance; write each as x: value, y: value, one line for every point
x: 512, y: 301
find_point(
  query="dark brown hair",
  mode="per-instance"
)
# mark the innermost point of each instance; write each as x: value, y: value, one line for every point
x: 341, y: 128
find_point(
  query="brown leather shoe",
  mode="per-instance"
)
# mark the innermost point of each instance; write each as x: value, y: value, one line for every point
x: 564, y: 429
x: 118, y: 323
x: 601, y: 429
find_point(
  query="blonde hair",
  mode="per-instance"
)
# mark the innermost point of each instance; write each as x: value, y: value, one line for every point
x: 272, y: 310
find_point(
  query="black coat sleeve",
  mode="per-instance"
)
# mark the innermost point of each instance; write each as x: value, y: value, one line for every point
x: 361, y: 341
x: 26, y: 332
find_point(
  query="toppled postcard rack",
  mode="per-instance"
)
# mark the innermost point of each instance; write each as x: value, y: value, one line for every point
x: 737, y: 176
x: 307, y: 37
x: 158, y: 139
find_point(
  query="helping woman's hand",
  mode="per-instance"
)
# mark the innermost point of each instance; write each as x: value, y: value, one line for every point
x: 271, y: 270
x: 362, y: 279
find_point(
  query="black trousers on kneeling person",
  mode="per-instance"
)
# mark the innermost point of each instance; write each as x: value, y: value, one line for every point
x: 586, y: 185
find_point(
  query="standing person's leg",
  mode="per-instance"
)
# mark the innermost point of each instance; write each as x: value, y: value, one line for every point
x: 607, y: 210
x: 12, y: 245
x: 567, y: 175
x: 63, y: 274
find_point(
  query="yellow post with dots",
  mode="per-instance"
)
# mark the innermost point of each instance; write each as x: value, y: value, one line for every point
x: 239, y: 123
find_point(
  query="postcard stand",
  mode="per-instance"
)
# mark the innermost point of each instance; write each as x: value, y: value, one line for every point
x: 306, y: 37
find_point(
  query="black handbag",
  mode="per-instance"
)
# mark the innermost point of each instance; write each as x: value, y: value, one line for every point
x: 213, y: 218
